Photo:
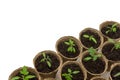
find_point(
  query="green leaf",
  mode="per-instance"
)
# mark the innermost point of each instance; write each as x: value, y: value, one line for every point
x: 24, y: 71
x: 15, y: 78
x: 114, y: 29
x: 69, y: 49
x: 48, y: 58
x: 95, y: 58
x: 70, y: 75
x: 29, y: 77
x: 74, y: 50
x: 116, y: 75
x: 76, y: 72
x: 114, y: 25
x: 71, y: 41
x: 86, y: 36
x: 94, y: 40
x: 67, y: 76
x: 87, y: 58
x: 69, y: 70
x: 99, y: 55
x: 64, y: 74
x: 71, y: 46
x: 107, y: 31
x: 117, y: 45
x: 42, y: 60
x: 67, y: 43
x: 44, y: 55
x: 90, y: 38
x: 49, y: 64
x: 91, y: 51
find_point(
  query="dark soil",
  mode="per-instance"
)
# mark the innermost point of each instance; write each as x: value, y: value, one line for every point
x: 62, y: 48
x: 99, y: 79
x: 95, y: 67
x: 115, y: 71
x: 110, y: 52
x: 30, y: 73
x: 87, y: 42
x: 43, y: 67
x: 73, y: 67
x: 113, y: 35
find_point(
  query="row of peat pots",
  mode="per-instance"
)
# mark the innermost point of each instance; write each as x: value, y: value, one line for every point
x: 94, y: 56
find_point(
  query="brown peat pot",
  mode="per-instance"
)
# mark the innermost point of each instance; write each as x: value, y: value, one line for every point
x: 30, y: 70
x: 109, y: 51
x: 65, y: 44
x: 71, y: 66
x: 108, y: 32
x: 94, y: 68
x: 43, y: 67
x: 90, y: 37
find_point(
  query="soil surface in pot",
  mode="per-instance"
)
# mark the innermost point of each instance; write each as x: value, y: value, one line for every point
x: 95, y: 67
x: 43, y: 67
x: 86, y: 42
x: 114, y: 72
x: 113, y: 35
x: 30, y: 73
x: 73, y: 67
x: 110, y: 52
x: 62, y: 48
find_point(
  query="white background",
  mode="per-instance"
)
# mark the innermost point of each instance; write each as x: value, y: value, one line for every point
x: 30, y: 26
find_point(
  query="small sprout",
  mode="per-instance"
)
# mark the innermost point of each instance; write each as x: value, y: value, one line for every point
x: 93, y: 56
x: 71, y: 45
x: 90, y: 37
x: 116, y: 75
x: 24, y: 75
x: 112, y: 29
x: 46, y: 59
x: 69, y: 75
x: 15, y: 78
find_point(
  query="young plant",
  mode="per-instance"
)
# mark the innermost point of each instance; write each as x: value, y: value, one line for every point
x: 71, y: 45
x: 46, y: 59
x: 24, y: 75
x: 93, y: 56
x: 90, y: 37
x: 69, y: 74
x: 117, y: 74
x: 112, y: 29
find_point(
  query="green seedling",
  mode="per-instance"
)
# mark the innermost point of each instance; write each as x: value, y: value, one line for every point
x: 117, y: 74
x: 69, y: 74
x: 90, y: 37
x: 46, y: 59
x: 93, y: 56
x: 112, y: 29
x: 24, y: 75
x: 71, y: 45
